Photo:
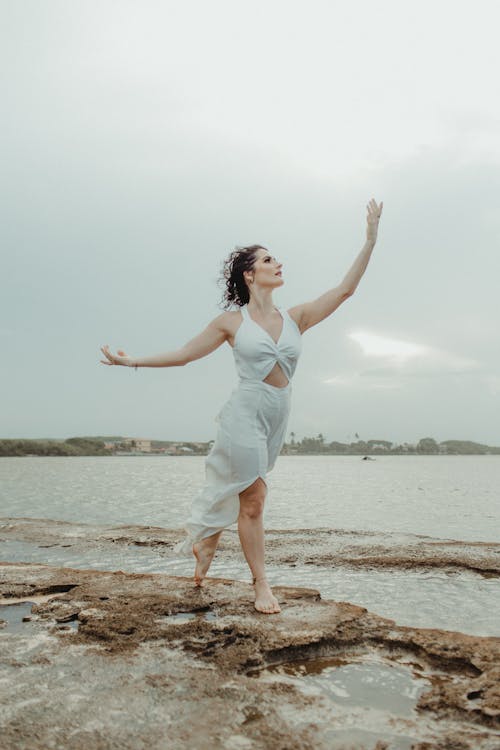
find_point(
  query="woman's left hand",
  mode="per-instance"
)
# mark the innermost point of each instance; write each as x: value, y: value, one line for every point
x: 372, y: 219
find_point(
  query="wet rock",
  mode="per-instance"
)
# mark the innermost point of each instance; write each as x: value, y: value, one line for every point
x: 189, y: 660
x: 357, y: 549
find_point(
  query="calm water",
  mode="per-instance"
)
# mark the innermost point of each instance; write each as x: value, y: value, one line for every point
x: 453, y: 497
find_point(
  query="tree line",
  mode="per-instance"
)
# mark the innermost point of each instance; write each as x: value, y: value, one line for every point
x: 425, y: 446
x: 87, y: 446
x: 71, y: 447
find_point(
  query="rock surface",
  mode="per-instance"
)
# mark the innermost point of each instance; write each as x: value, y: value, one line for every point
x: 110, y: 659
x: 320, y: 547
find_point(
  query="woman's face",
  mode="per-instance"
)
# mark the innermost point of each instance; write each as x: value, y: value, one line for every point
x: 266, y: 271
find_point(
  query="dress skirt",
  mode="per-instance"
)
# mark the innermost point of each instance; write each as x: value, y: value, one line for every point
x: 251, y: 432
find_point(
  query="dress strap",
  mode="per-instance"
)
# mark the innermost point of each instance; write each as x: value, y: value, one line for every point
x: 244, y: 312
x: 287, y: 315
x: 284, y: 313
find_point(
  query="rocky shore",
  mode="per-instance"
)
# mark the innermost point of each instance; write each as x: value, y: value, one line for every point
x: 319, y: 547
x: 108, y: 659
x: 153, y: 658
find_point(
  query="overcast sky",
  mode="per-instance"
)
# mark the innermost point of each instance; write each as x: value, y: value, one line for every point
x: 143, y: 140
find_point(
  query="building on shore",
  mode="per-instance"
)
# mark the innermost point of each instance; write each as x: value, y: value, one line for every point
x: 138, y: 445
x: 131, y: 445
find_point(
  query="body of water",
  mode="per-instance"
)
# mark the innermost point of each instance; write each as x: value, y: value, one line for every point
x: 449, y: 497
x: 456, y: 497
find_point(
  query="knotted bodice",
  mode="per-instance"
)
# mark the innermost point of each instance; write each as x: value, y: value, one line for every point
x: 256, y: 352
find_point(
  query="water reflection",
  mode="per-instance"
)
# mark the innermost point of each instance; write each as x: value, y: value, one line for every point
x: 373, y: 700
x: 18, y: 618
x: 13, y: 614
x: 369, y: 684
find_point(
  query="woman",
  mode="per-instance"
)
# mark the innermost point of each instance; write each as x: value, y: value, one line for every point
x: 266, y: 344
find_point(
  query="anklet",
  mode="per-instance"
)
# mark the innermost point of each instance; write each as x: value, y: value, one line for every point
x: 255, y: 580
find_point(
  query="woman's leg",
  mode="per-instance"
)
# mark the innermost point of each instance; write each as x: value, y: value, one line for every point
x: 204, y: 551
x: 251, y: 532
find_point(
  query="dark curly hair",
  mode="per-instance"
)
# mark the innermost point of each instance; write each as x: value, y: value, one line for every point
x: 232, y: 280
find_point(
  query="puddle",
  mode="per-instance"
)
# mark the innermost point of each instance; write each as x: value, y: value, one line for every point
x: 181, y: 617
x: 17, y: 614
x: 372, y: 699
x: 381, y: 686
x: 35, y: 599
x: 13, y: 615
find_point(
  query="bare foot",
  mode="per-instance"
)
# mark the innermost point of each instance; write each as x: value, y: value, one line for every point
x: 204, y: 551
x: 265, y: 601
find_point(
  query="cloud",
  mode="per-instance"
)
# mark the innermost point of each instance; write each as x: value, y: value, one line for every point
x: 397, y: 360
x: 410, y: 358
x: 381, y: 346
x: 358, y: 380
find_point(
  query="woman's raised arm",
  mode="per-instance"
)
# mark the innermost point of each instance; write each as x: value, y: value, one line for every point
x: 204, y: 343
x: 310, y: 313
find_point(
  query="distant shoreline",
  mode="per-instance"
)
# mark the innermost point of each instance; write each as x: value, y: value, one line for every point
x: 120, y: 446
x: 194, y: 455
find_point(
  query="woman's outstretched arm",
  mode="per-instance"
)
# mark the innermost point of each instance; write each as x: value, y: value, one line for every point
x: 310, y: 313
x: 204, y: 343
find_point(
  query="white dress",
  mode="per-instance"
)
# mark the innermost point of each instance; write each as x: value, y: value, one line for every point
x: 251, y: 427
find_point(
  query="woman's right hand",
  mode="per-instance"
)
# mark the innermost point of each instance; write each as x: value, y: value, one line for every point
x: 115, y: 359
